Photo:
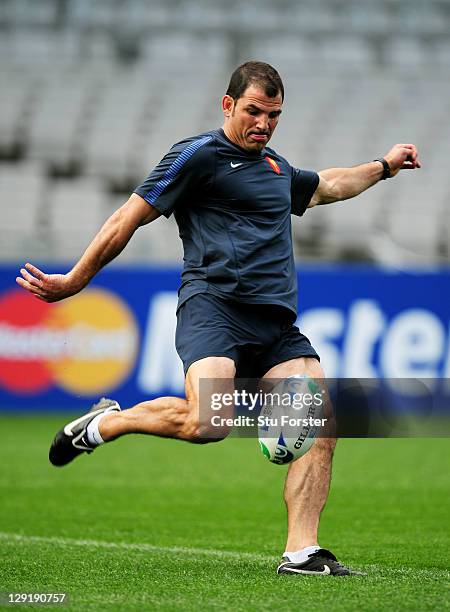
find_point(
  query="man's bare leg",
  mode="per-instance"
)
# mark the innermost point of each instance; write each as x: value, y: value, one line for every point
x: 171, y: 417
x: 308, y: 480
x: 306, y: 492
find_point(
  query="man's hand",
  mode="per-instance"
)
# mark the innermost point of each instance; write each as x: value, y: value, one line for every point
x: 402, y: 157
x: 47, y: 287
x: 107, y: 244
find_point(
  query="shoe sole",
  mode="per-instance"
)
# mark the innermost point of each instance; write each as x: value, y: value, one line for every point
x: 281, y: 569
x: 290, y: 570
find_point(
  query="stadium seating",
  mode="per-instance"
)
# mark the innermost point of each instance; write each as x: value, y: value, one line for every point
x: 96, y: 92
x: 22, y: 194
x: 74, y: 211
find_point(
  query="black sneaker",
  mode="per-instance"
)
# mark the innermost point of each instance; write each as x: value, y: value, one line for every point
x: 71, y: 440
x: 320, y: 563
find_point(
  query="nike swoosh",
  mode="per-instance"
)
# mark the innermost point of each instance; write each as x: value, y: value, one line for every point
x: 326, y: 571
x: 68, y: 428
x: 235, y: 165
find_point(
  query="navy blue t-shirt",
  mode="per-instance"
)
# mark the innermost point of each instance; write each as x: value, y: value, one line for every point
x: 233, y: 209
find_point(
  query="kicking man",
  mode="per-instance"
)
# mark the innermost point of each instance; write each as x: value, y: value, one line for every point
x: 232, y: 198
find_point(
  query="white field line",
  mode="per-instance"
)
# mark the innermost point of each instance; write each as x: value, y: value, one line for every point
x: 176, y: 550
x: 398, y: 572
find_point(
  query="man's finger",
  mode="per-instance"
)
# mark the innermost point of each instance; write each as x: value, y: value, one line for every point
x: 39, y: 297
x: 413, y: 160
x: 37, y: 273
x: 28, y: 286
x: 23, y: 283
x: 31, y: 279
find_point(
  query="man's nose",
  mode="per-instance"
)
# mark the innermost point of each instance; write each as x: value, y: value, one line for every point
x: 263, y: 123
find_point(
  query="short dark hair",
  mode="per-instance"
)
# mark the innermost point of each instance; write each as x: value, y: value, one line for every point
x: 255, y: 73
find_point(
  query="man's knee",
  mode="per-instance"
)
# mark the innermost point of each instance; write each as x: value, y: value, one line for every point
x: 325, y: 446
x: 217, y: 375
x: 199, y: 429
x: 204, y: 433
x: 320, y: 454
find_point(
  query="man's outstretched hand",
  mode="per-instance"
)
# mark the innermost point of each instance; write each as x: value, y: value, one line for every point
x: 402, y: 157
x: 46, y: 287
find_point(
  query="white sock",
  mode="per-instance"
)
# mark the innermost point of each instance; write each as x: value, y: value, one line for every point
x: 92, y: 432
x: 300, y: 556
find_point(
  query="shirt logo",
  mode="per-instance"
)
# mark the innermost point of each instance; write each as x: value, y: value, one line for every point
x: 273, y: 164
x: 235, y: 165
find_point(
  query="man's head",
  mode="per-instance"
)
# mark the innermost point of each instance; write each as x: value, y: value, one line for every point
x: 252, y: 105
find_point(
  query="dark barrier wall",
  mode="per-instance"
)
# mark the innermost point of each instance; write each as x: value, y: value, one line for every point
x: 116, y: 338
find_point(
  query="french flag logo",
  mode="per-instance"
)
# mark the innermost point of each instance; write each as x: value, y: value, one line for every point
x: 273, y: 164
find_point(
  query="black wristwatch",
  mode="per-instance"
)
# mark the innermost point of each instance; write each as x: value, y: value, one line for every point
x: 386, y: 168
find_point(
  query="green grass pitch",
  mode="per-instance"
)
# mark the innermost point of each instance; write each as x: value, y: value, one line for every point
x: 147, y: 524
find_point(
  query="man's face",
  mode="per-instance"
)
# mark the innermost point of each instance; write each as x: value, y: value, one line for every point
x: 251, y: 120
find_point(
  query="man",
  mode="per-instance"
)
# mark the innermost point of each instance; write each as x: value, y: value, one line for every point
x: 232, y: 197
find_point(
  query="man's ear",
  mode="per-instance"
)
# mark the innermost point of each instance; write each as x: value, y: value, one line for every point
x: 227, y: 105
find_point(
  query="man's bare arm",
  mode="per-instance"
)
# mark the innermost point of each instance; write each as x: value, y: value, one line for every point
x: 338, y: 184
x: 107, y: 244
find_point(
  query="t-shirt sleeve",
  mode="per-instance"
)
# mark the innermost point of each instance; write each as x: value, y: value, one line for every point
x: 186, y: 168
x: 304, y: 184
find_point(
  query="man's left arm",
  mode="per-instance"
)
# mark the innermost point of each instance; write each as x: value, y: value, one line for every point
x: 338, y: 184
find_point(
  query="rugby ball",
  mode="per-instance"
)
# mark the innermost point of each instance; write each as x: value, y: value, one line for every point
x: 290, y: 418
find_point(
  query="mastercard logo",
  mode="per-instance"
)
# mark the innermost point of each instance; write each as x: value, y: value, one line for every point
x: 85, y: 345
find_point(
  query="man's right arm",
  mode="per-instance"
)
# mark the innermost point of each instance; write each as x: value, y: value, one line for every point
x: 107, y: 244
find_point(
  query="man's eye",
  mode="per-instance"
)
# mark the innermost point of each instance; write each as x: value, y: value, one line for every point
x: 252, y: 112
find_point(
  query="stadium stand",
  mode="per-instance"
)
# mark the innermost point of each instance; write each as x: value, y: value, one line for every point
x: 96, y: 92
x: 74, y: 211
x: 22, y: 190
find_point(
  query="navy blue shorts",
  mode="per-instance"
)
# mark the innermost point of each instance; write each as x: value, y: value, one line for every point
x: 256, y: 336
